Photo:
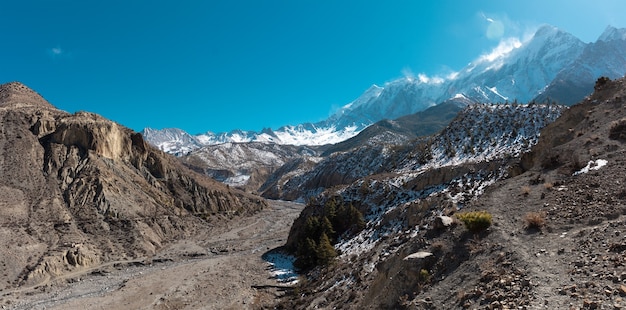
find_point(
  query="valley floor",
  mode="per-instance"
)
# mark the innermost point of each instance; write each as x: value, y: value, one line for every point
x: 221, y: 269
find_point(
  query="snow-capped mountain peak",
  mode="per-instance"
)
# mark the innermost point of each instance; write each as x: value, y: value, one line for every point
x: 172, y: 140
x: 550, y: 41
x: 370, y: 94
x: 611, y: 33
x: 513, y: 71
x: 518, y: 70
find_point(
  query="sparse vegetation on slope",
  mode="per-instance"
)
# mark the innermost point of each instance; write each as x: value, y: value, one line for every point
x: 555, y: 238
x: 404, y: 203
x: 475, y: 221
x: 535, y: 220
x: 497, y: 131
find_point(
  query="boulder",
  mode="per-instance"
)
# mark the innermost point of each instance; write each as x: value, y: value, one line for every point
x: 418, y: 255
x: 443, y: 221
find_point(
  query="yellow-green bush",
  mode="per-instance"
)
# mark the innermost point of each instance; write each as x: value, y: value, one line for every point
x: 424, y: 275
x: 475, y: 221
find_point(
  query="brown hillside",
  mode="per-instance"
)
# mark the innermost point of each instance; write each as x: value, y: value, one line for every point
x: 78, y: 190
x: 556, y: 240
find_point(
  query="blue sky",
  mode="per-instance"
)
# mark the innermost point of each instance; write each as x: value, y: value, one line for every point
x: 222, y: 65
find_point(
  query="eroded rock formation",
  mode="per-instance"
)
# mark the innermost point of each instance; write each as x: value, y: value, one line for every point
x: 78, y: 190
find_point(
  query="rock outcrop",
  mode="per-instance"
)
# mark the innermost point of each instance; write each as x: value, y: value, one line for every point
x: 78, y: 190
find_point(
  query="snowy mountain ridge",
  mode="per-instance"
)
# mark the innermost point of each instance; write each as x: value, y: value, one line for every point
x: 418, y: 184
x: 245, y: 165
x: 178, y: 142
x: 513, y: 71
x: 498, y: 131
x: 612, y: 33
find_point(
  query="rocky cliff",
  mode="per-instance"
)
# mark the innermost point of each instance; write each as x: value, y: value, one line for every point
x: 78, y: 190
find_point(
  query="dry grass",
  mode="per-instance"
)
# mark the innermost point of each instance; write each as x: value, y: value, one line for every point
x: 438, y: 246
x: 535, y: 220
x: 548, y: 185
x: 526, y: 190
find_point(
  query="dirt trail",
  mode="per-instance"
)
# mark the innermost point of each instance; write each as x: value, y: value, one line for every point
x: 570, y: 261
x: 536, y: 249
x: 220, y: 269
x: 71, y: 275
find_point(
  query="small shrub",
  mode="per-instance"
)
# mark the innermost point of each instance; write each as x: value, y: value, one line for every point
x: 301, y: 285
x: 601, y: 83
x: 475, y: 221
x: 438, y: 246
x: 526, y: 190
x: 535, y: 220
x: 424, y: 275
x: 575, y: 163
x: 404, y: 301
x: 548, y: 185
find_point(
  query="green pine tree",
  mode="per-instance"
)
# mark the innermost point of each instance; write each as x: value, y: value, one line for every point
x: 325, y: 251
x: 306, y: 255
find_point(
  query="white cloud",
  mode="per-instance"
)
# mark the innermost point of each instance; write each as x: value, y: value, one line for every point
x: 452, y: 75
x: 497, y: 26
x: 504, y: 47
x: 430, y: 79
x: 495, y: 29
x: 58, y: 53
x: 424, y: 78
x: 408, y: 74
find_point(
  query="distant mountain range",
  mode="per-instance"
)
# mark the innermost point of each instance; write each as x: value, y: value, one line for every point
x: 553, y: 65
x: 248, y: 165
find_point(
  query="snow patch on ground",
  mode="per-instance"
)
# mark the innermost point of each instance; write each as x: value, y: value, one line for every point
x: 592, y: 165
x: 239, y: 180
x: 281, y: 267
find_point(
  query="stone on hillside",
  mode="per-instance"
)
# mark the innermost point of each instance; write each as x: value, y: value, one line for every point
x: 442, y: 221
x: 418, y: 255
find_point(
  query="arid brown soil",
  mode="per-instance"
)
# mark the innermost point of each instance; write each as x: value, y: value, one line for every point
x: 220, y: 268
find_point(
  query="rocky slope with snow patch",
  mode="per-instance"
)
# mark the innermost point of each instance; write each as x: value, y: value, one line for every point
x: 245, y: 165
x: 481, y: 132
x: 555, y: 240
x: 249, y: 165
